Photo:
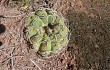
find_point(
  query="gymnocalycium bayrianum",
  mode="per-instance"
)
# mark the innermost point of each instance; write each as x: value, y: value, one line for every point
x: 47, y: 32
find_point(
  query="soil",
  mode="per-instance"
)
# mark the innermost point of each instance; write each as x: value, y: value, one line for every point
x: 89, y: 46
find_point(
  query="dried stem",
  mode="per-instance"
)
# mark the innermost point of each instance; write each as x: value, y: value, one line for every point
x: 11, y: 59
x: 35, y: 64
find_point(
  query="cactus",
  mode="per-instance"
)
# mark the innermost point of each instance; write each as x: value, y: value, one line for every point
x: 49, y: 12
x: 43, y: 16
x: 30, y: 18
x: 45, y: 48
x: 45, y: 20
x: 41, y: 13
x: 51, y: 19
x: 47, y: 32
x: 31, y: 31
x: 56, y: 47
x: 36, y: 40
x: 37, y: 22
x: 59, y: 20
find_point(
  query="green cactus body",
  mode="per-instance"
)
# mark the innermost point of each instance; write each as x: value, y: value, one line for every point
x: 64, y: 42
x: 45, y: 20
x: 64, y: 32
x: 49, y: 12
x: 53, y: 39
x: 36, y: 40
x: 41, y: 13
x: 37, y: 23
x: 30, y: 18
x: 51, y: 19
x: 59, y: 20
x: 58, y: 29
x: 31, y: 31
x: 47, y: 32
x: 46, y: 46
x: 61, y: 32
x: 45, y: 38
x: 36, y: 45
x: 56, y: 47
x: 43, y: 16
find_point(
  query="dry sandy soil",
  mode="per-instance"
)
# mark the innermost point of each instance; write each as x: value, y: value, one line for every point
x: 89, y: 46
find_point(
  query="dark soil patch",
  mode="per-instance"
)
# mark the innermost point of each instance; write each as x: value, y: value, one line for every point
x: 91, y: 34
x: 1, y: 43
x: 2, y: 28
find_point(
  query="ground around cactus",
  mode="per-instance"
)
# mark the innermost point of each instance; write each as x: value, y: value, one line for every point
x: 89, y: 46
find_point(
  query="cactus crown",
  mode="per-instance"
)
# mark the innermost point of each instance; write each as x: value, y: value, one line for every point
x: 47, y: 31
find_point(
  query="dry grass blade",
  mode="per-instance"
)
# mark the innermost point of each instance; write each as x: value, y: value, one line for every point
x: 14, y: 16
x: 11, y: 59
x: 35, y: 64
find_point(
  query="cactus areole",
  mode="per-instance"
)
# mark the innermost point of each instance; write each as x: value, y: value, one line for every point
x: 47, y: 32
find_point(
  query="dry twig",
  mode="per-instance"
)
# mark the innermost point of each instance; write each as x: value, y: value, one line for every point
x: 11, y: 59
x: 35, y: 64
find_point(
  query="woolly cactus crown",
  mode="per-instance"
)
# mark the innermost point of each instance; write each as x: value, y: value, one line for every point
x: 47, y: 32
